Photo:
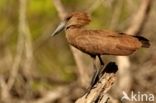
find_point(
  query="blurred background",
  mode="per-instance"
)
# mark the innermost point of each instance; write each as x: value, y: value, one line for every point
x: 34, y: 66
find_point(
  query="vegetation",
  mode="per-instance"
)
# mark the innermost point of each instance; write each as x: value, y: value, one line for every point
x: 32, y: 63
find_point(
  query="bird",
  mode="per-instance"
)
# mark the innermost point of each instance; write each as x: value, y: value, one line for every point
x: 97, y: 42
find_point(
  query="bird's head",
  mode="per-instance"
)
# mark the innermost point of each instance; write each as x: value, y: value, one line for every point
x: 77, y: 19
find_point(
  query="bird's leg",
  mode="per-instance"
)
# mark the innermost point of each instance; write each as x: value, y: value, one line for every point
x: 98, y: 71
x: 101, y: 66
x: 101, y: 61
x: 95, y: 76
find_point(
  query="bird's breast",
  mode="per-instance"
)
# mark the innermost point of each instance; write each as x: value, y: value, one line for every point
x: 71, y: 35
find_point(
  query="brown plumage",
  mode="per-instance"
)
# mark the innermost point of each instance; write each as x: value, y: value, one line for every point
x: 100, y: 42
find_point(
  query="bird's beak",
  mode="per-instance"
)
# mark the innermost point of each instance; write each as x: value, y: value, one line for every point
x: 60, y: 28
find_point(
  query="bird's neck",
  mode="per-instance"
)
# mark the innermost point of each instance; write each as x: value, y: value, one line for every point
x: 72, y: 32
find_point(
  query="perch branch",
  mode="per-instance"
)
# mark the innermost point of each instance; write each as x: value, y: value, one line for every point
x: 98, y: 93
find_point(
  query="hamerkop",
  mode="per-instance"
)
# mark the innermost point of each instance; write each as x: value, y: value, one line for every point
x: 98, y: 42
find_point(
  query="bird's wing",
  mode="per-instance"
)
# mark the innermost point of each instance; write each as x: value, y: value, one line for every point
x: 125, y: 41
x: 94, y: 42
x: 128, y: 42
x: 103, y: 32
x: 101, y: 42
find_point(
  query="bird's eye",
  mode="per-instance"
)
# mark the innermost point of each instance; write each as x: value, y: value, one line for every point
x: 68, y: 18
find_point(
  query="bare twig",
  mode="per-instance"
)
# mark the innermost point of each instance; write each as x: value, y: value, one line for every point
x: 28, y: 48
x: 20, y: 45
x: 139, y: 17
x: 24, y: 42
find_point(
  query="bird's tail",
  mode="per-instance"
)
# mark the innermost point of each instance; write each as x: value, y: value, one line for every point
x: 145, y: 42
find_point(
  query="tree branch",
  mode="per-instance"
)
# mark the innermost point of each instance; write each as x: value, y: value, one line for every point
x: 98, y: 93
